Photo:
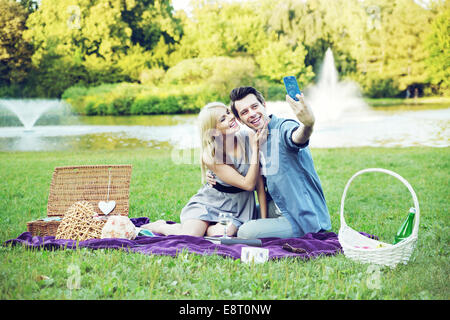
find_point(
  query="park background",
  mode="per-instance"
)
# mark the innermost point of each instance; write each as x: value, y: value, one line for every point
x: 143, y: 57
x: 146, y: 66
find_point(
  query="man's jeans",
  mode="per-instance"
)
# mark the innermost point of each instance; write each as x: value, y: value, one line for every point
x: 276, y: 225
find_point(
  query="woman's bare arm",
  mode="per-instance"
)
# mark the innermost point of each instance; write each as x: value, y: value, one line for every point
x: 228, y: 174
x: 231, y: 176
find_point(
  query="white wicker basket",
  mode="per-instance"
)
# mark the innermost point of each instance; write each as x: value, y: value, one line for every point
x: 378, y: 252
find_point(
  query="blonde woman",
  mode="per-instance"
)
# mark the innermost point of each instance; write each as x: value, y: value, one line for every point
x: 231, y: 153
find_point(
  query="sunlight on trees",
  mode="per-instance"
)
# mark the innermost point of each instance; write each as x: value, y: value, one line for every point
x: 386, y: 46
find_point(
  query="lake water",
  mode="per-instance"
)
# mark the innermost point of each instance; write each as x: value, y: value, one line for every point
x: 399, y: 126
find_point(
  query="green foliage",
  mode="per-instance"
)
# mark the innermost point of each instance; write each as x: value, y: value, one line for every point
x: 12, y: 91
x: 219, y: 74
x: 185, y: 88
x: 221, y: 28
x: 275, y: 93
x: 438, y: 47
x: 15, y: 53
x: 29, y: 5
x: 377, y: 43
x: 278, y: 60
x: 384, y: 45
x: 106, y: 99
x: 150, y: 104
x: 374, y: 86
x: 134, y: 99
x: 71, y: 46
x: 318, y: 25
x: 393, y: 45
x: 152, y: 76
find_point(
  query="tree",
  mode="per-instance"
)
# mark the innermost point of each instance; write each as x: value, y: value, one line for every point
x: 318, y: 25
x: 217, y: 74
x: 30, y: 5
x: 438, y: 49
x: 391, y: 52
x: 15, y: 52
x: 101, y: 40
x: 219, y: 28
x: 279, y: 59
x: 379, y: 43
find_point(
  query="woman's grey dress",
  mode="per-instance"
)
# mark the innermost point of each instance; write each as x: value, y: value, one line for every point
x: 209, y: 202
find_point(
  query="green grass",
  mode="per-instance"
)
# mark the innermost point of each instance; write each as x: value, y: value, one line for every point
x: 376, y: 204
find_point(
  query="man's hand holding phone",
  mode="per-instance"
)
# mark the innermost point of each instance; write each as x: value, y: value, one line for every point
x: 302, y: 111
x: 295, y: 99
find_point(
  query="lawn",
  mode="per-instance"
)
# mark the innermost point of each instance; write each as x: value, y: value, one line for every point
x: 375, y: 203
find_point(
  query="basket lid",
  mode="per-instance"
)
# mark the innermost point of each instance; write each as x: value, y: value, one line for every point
x: 89, y: 183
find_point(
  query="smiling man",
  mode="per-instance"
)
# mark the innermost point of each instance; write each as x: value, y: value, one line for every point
x: 296, y: 203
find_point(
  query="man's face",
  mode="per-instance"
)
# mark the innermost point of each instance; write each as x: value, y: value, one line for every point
x: 251, y: 111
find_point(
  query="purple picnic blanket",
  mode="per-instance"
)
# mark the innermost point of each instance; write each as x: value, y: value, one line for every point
x: 315, y: 244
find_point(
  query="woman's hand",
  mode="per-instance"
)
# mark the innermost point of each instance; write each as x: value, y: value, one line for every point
x: 260, y: 136
x: 210, y: 178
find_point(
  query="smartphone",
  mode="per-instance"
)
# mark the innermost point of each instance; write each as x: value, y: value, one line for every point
x: 292, y: 88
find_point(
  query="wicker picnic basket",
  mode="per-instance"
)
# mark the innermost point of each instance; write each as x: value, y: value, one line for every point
x: 91, y: 183
x: 377, y: 252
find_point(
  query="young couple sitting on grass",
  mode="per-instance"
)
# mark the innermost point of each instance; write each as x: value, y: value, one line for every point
x: 243, y: 149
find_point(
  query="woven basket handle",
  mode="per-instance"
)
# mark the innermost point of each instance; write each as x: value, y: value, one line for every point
x: 406, y: 183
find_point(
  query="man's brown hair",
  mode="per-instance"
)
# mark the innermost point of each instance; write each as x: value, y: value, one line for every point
x: 240, y: 93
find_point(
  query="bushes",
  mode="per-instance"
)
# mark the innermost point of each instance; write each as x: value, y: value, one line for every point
x: 375, y: 86
x: 170, y: 103
x: 189, y: 85
x: 102, y: 105
x: 380, y: 88
x: 130, y: 99
x: 217, y: 74
x: 11, y: 91
x: 276, y: 93
x: 106, y: 99
x: 149, y: 104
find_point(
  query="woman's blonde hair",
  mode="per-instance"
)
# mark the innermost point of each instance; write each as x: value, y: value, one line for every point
x: 207, y: 119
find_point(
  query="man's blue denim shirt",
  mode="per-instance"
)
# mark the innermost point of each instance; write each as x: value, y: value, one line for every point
x: 291, y: 179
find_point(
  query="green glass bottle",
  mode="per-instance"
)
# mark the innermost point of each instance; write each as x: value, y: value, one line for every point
x: 406, y: 227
